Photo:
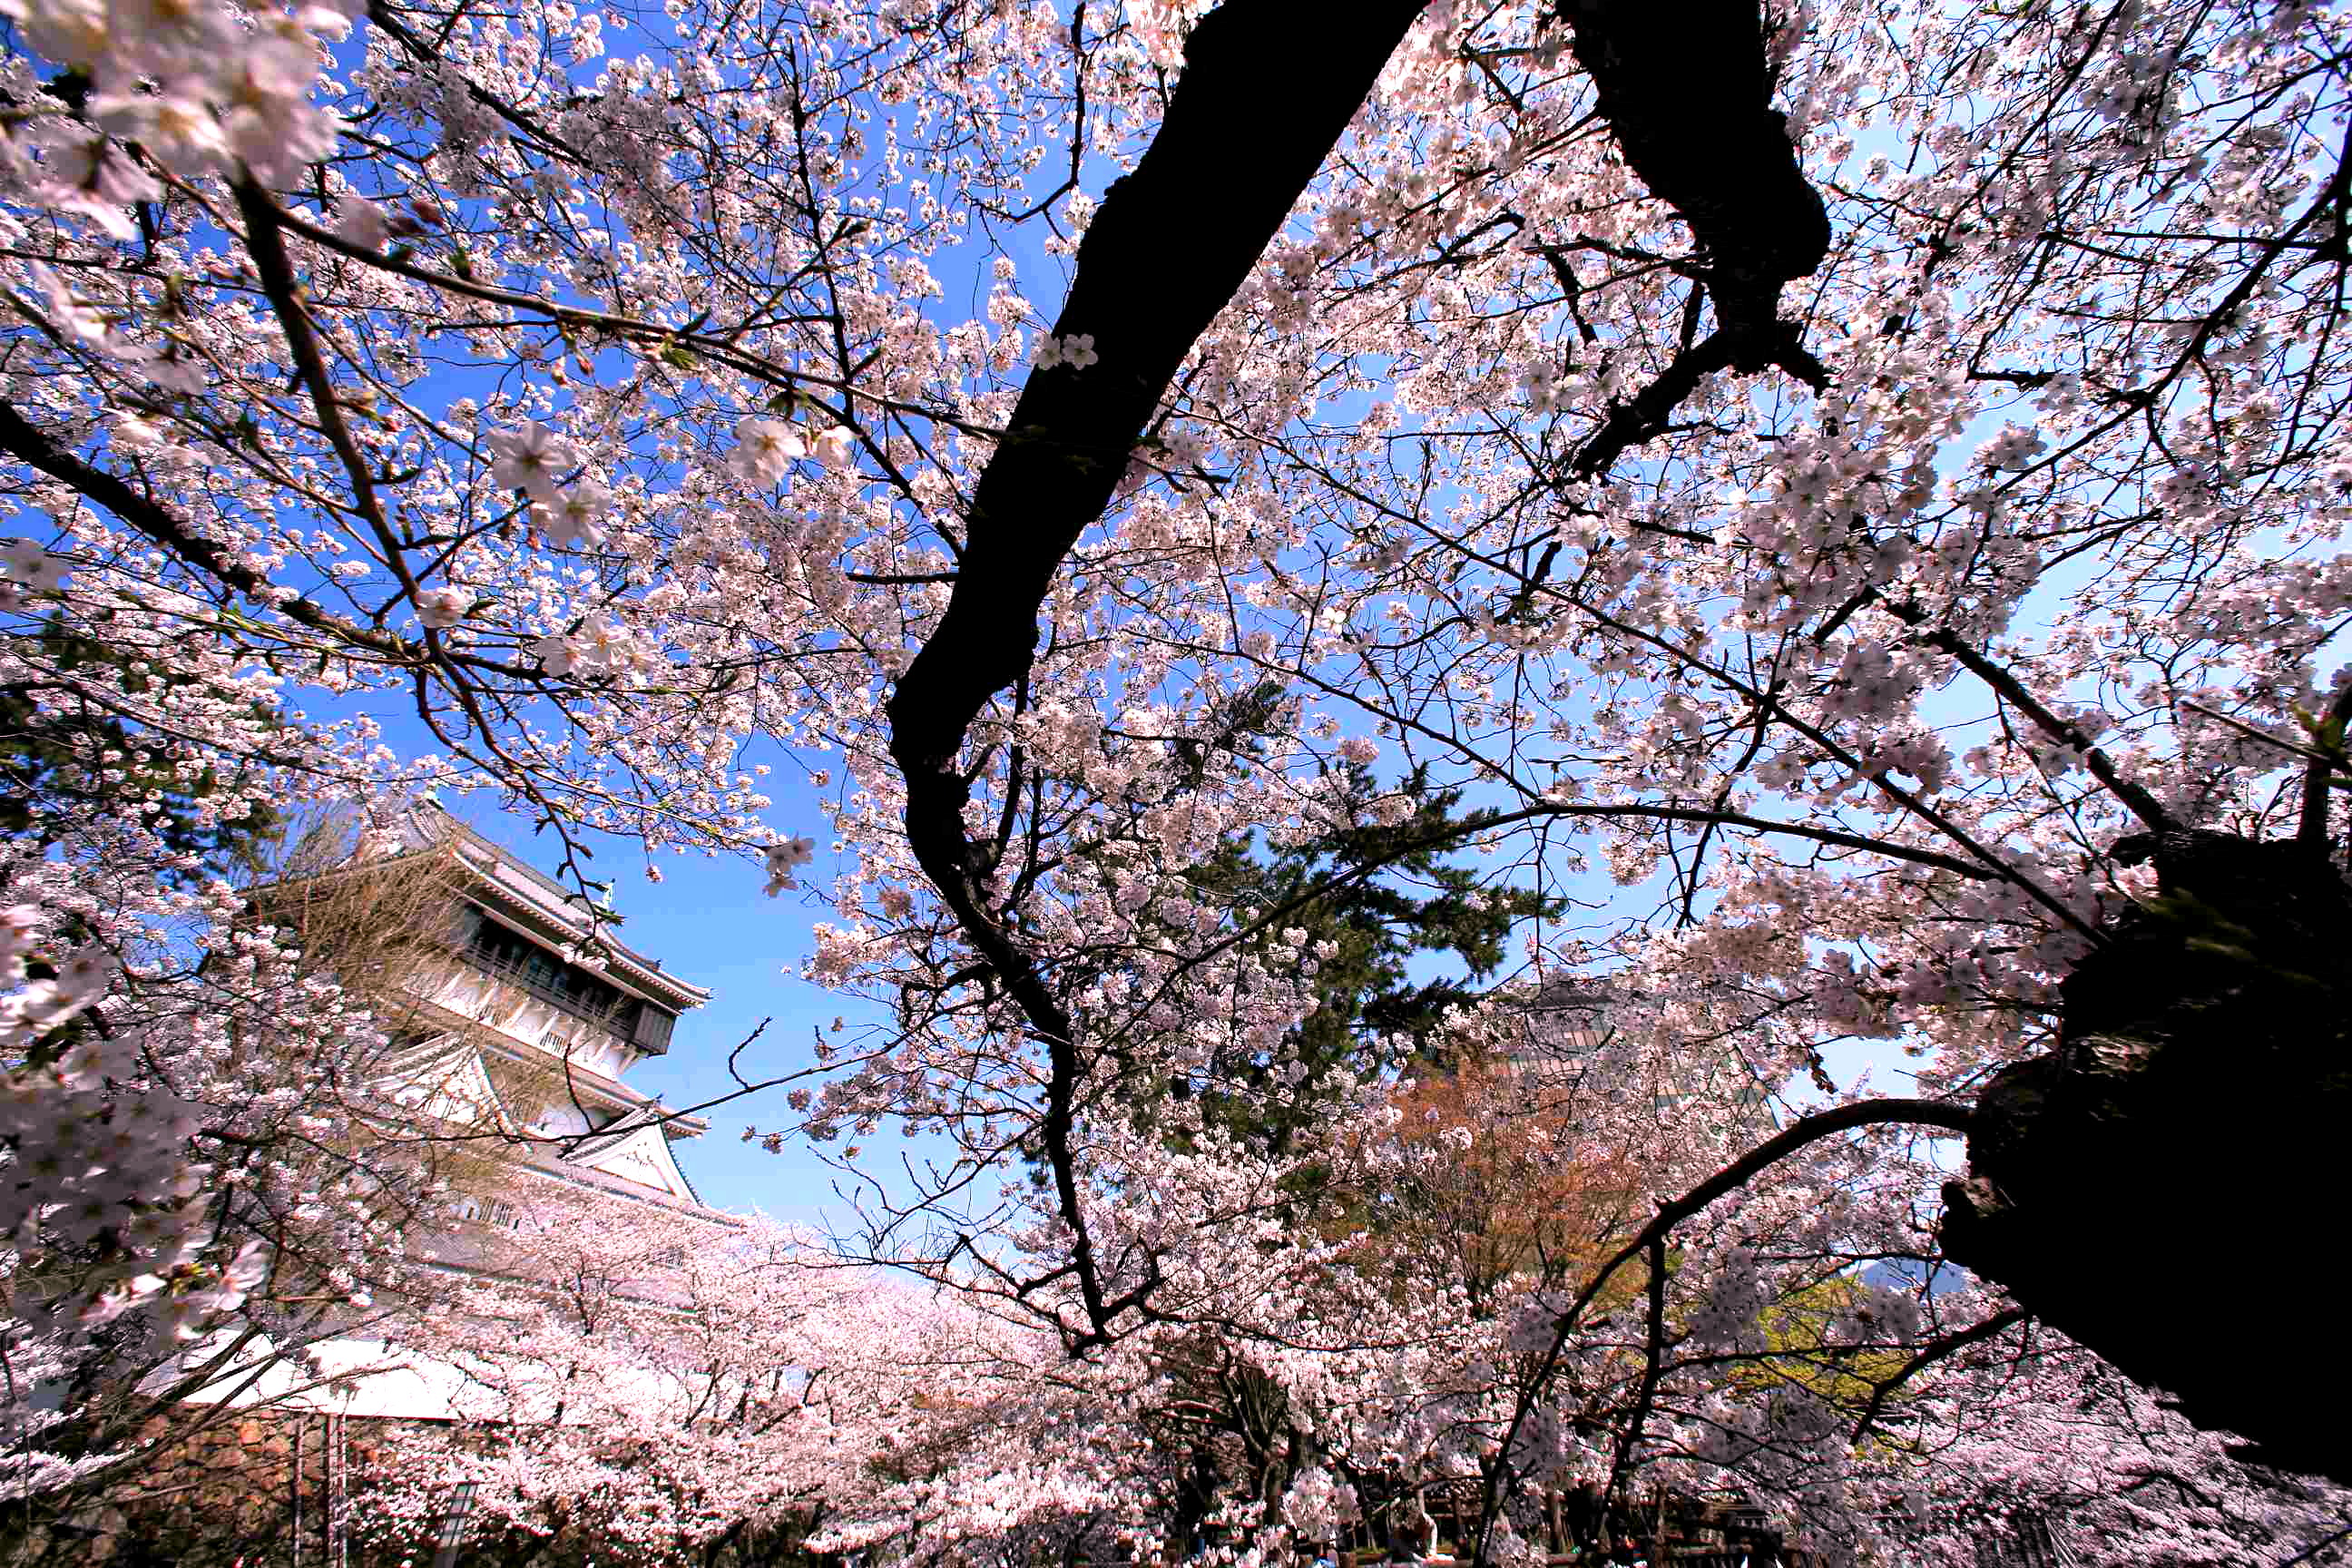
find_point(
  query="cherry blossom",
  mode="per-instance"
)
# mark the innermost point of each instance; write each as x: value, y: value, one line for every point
x: 1075, y: 351
x: 528, y: 459
x: 765, y: 451
x: 837, y: 448
x: 443, y: 607
x: 576, y: 516
x: 784, y: 860
x: 28, y: 564
x: 1821, y: 606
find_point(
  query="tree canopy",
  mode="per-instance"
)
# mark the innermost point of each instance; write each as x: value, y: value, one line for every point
x: 1822, y: 519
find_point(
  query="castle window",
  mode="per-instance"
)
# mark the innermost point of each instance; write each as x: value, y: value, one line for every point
x: 652, y: 1035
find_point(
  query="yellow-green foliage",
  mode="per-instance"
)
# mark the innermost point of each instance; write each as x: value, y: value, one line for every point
x: 1803, y: 1344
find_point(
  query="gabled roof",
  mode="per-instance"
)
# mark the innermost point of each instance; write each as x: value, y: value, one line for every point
x: 531, y: 898
x: 635, y: 1150
x: 445, y: 1078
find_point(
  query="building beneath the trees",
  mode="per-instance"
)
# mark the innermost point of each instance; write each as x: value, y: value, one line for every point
x: 510, y: 1028
x: 1563, y: 1024
x: 1560, y: 1024
x: 514, y: 1015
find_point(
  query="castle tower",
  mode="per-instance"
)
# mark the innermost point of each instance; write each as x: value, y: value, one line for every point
x: 514, y: 1014
x: 530, y: 1020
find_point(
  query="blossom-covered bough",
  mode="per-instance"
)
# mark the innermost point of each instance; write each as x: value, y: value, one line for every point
x: 1868, y: 480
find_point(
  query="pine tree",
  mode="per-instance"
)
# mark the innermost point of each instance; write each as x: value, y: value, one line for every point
x: 1389, y: 894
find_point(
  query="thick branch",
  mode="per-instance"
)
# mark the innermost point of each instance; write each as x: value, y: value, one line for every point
x: 1653, y: 1237
x: 1688, y: 91
x: 1943, y: 1113
x: 1629, y: 1439
x: 1630, y: 425
x: 29, y: 445
x: 267, y: 249
x: 1244, y: 134
x: 1944, y: 641
x: 1999, y: 1323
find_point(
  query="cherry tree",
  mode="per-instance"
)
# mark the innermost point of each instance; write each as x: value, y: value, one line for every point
x: 2137, y: 1483
x: 1886, y: 523
x: 632, y: 1385
x: 207, y: 1172
x: 634, y: 1380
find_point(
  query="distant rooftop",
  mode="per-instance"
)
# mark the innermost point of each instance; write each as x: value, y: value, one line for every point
x: 520, y: 888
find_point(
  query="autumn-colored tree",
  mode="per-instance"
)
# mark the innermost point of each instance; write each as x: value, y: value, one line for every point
x: 1486, y: 1174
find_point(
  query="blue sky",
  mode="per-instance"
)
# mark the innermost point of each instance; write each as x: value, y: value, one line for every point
x: 708, y: 919
x: 709, y: 922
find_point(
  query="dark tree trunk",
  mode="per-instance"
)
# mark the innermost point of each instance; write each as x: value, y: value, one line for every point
x: 2164, y: 1186
x: 1688, y: 91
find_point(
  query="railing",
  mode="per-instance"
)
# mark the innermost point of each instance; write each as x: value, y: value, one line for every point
x: 613, y: 1021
